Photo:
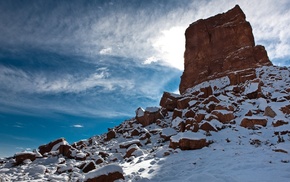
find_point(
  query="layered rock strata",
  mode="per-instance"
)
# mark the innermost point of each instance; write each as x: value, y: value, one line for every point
x: 218, y: 46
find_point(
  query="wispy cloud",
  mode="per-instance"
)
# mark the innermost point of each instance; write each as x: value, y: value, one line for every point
x: 21, y: 81
x: 20, y: 138
x: 101, y: 93
x: 140, y: 30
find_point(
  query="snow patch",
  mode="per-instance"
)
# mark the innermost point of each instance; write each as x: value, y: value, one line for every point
x: 176, y: 122
x: 152, y: 109
x: 251, y: 87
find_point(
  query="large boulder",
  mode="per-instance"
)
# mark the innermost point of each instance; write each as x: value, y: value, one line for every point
x: 206, y: 126
x: 183, y: 103
x: 250, y: 122
x: 218, y: 46
x: 107, y: 173
x: 169, y: 101
x: 52, y: 146
x: 88, y: 166
x: 21, y: 157
x: 253, y: 89
x: 223, y: 116
x: 148, y: 116
x: 110, y: 135
x: 66, y: 150
x: 188, y: 141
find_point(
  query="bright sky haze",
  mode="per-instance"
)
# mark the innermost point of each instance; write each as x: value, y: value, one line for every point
x: 75, y: 68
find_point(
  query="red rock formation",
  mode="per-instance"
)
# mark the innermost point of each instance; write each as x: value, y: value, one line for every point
x: 219, y: 45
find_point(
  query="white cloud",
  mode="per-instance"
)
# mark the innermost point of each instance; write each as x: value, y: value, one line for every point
x: 106, y: 51
x: 270, y: 21
x: 150, y: 60
x: 77, y: 126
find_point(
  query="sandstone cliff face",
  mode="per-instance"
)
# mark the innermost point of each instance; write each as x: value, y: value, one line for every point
x: 219, y: 45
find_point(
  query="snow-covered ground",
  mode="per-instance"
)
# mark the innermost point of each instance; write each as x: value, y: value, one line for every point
x: 233, y: 152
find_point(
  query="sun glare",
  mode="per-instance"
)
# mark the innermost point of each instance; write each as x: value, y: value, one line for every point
x: 170, y: 46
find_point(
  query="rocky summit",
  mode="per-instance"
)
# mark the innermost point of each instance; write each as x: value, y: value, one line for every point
x: 230, y: 122
x: 218, y: 46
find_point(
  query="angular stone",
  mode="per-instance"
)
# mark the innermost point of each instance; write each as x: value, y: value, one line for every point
x: 48, y: 147
x: 269, y: 112
x: 130, y: 152
x: 223, y: 115
x: 89, y: 167
x: 80, y: 144
x: 249, y: 113
x: 129, y: 143
x: 199, y: 117
x: 65, y: 150
x: 285, y: 109
x: 207, y: 91
x: 169, y: 101
x: 149, y: 116
x: 190, y: 114
x: 109, y: 173
x: 135, y: 132
x: 206, y: 126
x: 251, y: 122
x: 279, y: 123
x: 253, y: 89
x: 189, y: 144
x: 177, y: 113
x: 211, y: 98
x: 222, y: 107
x: 183, y: 103
x: 110, y: 135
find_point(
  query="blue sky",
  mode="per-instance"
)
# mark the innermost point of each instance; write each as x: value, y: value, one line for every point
x: 75, y: 68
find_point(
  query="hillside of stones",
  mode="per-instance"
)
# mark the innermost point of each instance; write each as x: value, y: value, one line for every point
x: 183, y: 122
